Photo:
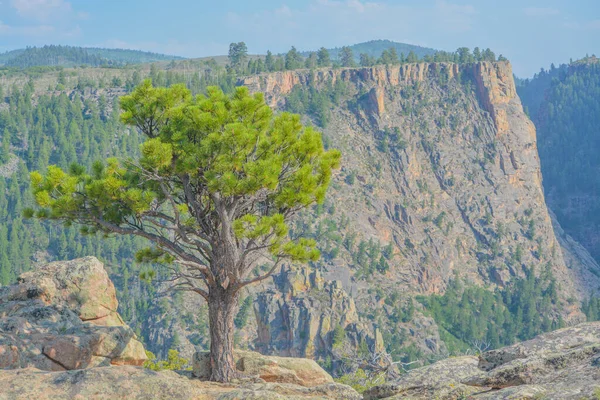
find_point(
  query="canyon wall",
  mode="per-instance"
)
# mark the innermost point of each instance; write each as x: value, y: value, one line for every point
x: 440, y: 161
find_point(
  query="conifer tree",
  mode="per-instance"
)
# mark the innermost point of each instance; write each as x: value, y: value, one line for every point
x: 293, y: 59
x: 347, y: 57
x: 217, y: 181
x: 323, y: 58
x: 238, y: 53
x: 5, y: 146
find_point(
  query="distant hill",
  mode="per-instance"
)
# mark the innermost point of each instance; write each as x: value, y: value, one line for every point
x: 374, y: 48
x: 130, y: 56
x: 68, y: 56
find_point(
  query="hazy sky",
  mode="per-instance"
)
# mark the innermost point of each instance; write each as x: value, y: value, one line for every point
x: 532, y: 34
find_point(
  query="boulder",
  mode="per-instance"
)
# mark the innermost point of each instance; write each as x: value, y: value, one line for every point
x: 565, y: 361
x: 63, y: 316
x: 81, y: 285
x: 298, y: 371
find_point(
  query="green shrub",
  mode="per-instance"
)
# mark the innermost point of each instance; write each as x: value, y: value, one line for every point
x: 360, y: 380
x: 173, y: 362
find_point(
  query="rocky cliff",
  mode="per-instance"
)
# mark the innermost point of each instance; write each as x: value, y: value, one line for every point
x: 441, y: 162
x: 456, y: 183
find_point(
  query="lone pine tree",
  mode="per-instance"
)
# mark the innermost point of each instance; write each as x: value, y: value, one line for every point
x: 218, y: 179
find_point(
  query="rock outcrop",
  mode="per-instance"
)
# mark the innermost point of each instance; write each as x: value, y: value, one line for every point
x: 61, y: 337
x: 297, y: 371
x: 298, y: 317
x: 564, y: 364
x: 63, y: 316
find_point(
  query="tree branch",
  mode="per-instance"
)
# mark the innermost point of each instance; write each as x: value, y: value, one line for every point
x: 261, y: 278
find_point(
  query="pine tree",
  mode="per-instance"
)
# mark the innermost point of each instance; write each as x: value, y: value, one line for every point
x: 5, y: 149
x: 293, y: 59
x: 366, y: 60
x: 347, y: 57
x: 238, y: 53
x: 220, y: 188
x: 269, y: 62
x: 323, y: 57
x: 311, y: 61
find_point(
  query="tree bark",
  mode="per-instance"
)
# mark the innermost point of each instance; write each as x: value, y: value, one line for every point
x: 222, y: 309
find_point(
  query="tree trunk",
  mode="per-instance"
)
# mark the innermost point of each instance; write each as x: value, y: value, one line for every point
x: 222, y: 308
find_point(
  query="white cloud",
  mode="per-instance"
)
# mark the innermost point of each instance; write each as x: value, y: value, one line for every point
x: 29, y: 31
x: 540, y: 11
x: 42, y: 21
x: 42, y: 10
x: 593, y: 25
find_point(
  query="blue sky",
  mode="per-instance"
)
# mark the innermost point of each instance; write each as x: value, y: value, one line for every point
x: 532, y: 34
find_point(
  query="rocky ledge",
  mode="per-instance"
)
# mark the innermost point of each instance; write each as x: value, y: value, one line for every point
x: 127, y: 382
x: 564, y: 364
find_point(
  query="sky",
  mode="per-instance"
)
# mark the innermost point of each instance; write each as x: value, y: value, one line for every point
x: 531, y: 33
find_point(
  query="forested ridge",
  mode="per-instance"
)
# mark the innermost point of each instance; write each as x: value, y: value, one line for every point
x: 371, y: 53
x: 68, y: 56
x: 375, y: 48
x: 564, y: 103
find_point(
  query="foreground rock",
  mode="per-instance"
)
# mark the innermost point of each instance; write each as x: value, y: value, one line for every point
x: 284, y: 378
x: 297, y: 371
x: 137, y: 383
x: 564, y: 364
x: 62, y: 338
x: 63, y: 316
x: 440, y: 380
